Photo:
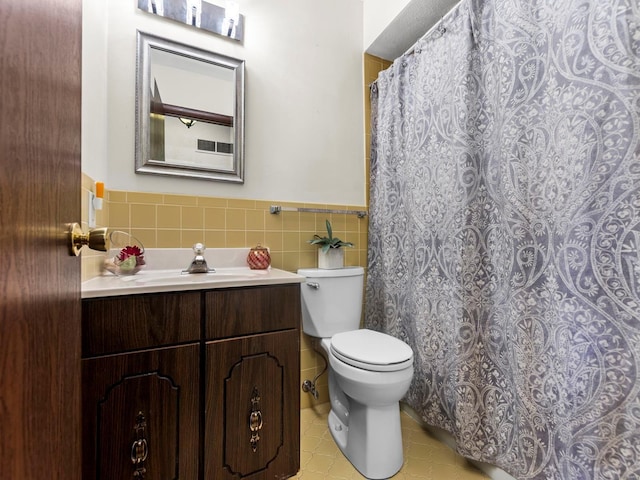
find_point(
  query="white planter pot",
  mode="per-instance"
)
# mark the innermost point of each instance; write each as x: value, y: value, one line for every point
x: 333, y: 258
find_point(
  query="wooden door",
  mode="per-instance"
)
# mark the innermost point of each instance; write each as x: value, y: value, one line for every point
x: 40, y: 79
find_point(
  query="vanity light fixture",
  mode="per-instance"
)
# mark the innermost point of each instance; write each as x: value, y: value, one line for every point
x: 231, y: 18
x: 226, y: 21
x: 187, y: 121
x: 156, y: 6
x: 193, y: 13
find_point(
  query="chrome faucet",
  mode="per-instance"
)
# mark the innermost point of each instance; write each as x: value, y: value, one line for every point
x: 198, y: 264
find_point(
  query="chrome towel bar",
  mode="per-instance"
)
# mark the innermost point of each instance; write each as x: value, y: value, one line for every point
x: 275, y: 209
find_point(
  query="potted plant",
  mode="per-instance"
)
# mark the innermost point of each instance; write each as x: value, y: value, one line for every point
x: 330, y: 253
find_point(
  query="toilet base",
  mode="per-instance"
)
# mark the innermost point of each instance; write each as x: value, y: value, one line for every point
x: 372, y: 441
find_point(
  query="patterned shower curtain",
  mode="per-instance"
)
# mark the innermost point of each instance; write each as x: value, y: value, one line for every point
x: 505, y: 230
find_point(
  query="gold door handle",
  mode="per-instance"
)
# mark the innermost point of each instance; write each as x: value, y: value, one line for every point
x: 96, y: 239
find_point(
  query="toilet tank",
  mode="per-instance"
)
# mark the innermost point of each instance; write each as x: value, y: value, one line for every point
x: 331, y: 300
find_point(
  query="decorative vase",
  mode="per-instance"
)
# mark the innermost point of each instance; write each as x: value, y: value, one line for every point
x: 331, y: 259
x: 259, y: 258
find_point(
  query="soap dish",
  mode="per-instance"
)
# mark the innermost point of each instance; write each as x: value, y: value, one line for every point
x: 126, y: 254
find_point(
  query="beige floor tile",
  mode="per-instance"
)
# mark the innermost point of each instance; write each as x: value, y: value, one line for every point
x: 304, y: 458
x: 314, y: 430
x: 319, y: 463
x: 425, y: 458
x: 418, y: 467
x: 456, y: 472
x: 328, y: 447
x: 343, y: 469
x: 417, y: 450
x: 310, y: 444
x: 313, y: 476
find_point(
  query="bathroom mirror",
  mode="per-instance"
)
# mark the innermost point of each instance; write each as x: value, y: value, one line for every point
x: 189, y: 111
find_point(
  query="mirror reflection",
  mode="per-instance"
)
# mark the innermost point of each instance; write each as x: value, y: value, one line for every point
x: 190, y: 111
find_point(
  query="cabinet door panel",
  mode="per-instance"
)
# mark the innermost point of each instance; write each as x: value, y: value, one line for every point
x: 141, y: 411
x: 253, y: 381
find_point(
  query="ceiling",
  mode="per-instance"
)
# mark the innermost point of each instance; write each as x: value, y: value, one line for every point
x: 410, y: 24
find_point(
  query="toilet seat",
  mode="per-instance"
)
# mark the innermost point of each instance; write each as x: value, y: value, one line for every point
x: 371, y: 350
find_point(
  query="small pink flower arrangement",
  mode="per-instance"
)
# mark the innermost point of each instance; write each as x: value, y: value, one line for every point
x: 131, y: 251
x: 128, y: 261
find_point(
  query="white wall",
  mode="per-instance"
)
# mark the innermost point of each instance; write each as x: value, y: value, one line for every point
x: 304, y: 99
x: 94, y: 90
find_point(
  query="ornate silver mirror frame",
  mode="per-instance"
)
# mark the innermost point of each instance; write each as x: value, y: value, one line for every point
x: 179, y: 87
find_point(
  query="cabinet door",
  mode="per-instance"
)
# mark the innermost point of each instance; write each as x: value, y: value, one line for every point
x: 141, y: 415
x: 252, y: 425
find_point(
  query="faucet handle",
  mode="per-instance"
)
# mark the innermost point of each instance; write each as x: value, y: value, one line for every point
x: 199, y: 248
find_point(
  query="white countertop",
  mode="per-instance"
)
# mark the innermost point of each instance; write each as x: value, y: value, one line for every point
x: 163, y: 273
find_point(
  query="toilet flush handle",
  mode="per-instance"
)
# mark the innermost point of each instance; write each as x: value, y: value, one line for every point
x: 314, y: 285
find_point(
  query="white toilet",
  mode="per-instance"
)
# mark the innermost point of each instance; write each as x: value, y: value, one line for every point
x: 369, y: 372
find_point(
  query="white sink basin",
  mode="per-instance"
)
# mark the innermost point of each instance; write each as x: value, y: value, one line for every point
x: 176, y: 277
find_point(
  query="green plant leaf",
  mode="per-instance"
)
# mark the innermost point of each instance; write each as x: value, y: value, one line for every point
x: 328, y: 242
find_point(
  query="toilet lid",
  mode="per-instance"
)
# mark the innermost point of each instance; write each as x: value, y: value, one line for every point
x: 371, y: 350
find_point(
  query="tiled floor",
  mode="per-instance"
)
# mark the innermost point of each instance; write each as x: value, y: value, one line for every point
x: 424, y: 457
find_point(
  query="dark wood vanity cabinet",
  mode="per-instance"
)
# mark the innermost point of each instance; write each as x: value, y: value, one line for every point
x: 191, y: 386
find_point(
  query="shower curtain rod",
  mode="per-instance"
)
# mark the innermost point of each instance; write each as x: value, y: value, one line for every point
x: 438, y: 26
